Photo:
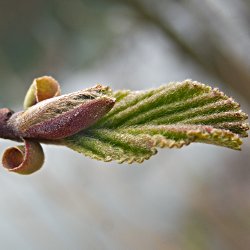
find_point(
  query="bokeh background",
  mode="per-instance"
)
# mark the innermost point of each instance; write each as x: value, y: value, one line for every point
x: 194, y: 198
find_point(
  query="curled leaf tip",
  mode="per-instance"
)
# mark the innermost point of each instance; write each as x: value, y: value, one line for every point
x: 42, y: 88
x: 24, y: 159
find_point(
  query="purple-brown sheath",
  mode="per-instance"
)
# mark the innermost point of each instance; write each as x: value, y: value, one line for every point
x: 49, y: 120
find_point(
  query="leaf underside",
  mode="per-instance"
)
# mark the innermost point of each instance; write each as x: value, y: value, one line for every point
x: 170, y: 116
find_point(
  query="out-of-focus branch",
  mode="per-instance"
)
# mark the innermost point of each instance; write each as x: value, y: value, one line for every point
x: 166, y: 29
x: 217, y: 61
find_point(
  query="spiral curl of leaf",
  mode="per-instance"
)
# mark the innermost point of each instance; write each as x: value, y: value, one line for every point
x: 24, y: 159
x: 42, y: 88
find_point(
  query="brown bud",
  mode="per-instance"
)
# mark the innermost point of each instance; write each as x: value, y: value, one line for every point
x: 62, y: 116
x: 7, y: 131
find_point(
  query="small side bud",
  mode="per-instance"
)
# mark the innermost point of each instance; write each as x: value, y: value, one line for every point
x: 6, y: 130
x: 42, y: 88
x: 24, y: 159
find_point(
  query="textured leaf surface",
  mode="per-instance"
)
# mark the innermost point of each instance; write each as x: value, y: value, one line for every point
x: 170, y: 116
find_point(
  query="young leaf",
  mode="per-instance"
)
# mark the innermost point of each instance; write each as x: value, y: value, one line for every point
x: 170, y: 116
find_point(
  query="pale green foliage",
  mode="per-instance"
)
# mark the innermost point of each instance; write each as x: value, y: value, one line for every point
x: 170, y: 116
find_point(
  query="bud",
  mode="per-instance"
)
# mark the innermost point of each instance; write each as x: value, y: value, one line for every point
x: 6, y: 131
x: 48, y: 118
x: 62, y: 116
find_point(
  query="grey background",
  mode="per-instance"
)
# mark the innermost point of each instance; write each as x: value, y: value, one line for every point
x: 193, y: 198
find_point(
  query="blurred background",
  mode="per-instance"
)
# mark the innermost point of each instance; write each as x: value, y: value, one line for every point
x: 194, y: 198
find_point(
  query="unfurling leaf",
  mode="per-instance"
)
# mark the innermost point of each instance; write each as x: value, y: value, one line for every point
x: 24, y: 159
x: 170, y: 116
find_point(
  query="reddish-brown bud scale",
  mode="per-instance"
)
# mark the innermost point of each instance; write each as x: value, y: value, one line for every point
x: 62, y: 116
x: 71, y: 121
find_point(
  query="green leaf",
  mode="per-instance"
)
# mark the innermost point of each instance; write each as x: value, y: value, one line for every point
x: 170, y: 116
